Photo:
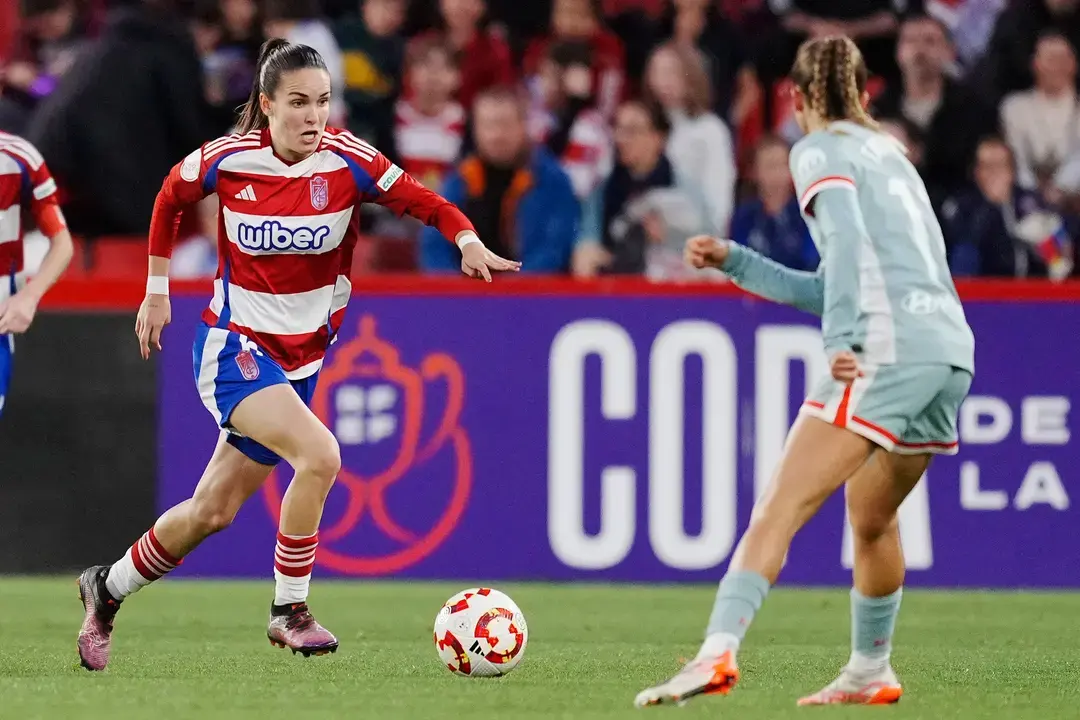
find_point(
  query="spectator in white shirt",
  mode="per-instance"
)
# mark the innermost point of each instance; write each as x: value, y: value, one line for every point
x: 700, y: 145
x: 1042, y: 125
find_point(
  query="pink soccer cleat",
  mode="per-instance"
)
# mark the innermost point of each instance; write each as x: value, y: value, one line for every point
x: 297, y: 629
x: 852, y: 688
x: 95, y: 637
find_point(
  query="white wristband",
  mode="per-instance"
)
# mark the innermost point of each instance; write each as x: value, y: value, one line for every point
x: 467, y: 238
x: 157, y: 285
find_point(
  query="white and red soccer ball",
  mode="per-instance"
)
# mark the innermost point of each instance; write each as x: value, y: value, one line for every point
x: 480, y: 632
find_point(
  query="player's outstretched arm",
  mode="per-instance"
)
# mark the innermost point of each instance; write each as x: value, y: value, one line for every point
x: 762, y: 276
x: 406, y: 196
x: 758, y: 274
x: 397, y: 191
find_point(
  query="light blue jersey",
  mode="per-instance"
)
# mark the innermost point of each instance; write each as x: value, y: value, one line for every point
x: 883, y: 288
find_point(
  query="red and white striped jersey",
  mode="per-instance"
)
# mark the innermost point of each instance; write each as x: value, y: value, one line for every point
x: 429, y: 145
x: 587, y: 158
x: 286, y: 234
x: 25, y: 187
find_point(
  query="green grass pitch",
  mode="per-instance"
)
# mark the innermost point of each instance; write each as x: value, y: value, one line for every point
x: 186, y: 649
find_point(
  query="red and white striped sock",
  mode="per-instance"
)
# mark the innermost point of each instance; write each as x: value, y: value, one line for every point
x: 143, y: 563
x: 293, y: 560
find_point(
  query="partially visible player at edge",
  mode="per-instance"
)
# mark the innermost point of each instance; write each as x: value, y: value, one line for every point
x: 27, y: 190
x: 902, y: 361
x: 289, y: 189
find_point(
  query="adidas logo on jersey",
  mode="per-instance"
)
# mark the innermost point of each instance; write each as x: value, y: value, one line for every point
x: 247, y: 193
x: 272, y: 235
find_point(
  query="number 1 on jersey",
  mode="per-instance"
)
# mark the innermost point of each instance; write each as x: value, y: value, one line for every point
x: 902, y: 190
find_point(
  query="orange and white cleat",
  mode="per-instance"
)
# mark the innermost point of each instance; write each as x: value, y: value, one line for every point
x: 853, y: 688
x: 701, y: 676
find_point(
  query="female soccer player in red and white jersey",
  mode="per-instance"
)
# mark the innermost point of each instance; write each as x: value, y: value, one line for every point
x: 26, y: 190
x: 289, y: 189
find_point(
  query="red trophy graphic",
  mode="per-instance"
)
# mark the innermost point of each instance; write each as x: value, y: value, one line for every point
x: 371, y: 401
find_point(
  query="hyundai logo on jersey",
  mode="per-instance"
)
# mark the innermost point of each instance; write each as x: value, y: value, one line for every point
x: 272, y: 235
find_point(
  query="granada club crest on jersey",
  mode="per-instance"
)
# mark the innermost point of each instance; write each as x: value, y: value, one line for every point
x: 406, y: 462
x: 320, y: 193
x: 249, y: 367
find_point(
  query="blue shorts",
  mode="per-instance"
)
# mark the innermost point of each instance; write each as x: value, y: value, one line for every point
x: 228, y: 368
x: 7, y: 354
x: 7, y: 349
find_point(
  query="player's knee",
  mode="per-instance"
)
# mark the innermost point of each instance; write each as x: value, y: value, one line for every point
x: 323, y: 459
x: 869, y: 523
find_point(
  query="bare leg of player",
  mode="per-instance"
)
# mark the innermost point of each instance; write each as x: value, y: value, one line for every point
x: 874, y: 496
x: 230, y: 478
x: 277, y: 418
x: 818, y: 458
x: 274, y: 417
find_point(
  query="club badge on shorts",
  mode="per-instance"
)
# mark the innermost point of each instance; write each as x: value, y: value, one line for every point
x: 249, y: 368
x: 320, y: 193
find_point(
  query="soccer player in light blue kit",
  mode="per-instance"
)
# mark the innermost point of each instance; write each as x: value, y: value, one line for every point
x: 902, y: 360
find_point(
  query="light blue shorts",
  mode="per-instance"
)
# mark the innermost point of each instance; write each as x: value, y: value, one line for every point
x: 908, y: 409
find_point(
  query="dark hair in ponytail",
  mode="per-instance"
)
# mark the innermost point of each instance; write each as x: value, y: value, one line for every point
x: 277, y: 57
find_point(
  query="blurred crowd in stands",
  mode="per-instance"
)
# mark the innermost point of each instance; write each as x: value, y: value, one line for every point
x: 581, y: 136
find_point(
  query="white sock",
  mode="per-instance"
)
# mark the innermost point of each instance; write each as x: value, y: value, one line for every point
x: 294, y: 559
x: 867, y: 665
x: 143, y: 563
x: 290, y: 590
x: 717, y: 644
x: 123, y: 579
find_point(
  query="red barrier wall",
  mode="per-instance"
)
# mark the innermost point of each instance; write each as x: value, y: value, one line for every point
x: 89, y: 294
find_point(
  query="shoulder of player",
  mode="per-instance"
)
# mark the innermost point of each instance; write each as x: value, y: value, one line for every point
x: 231, y: 143
x: 824, y: 139
x: 192, y: 166
x: 810, y: 153
x: 345, y: 143
x: 825, y: 147
x: 21, y: 150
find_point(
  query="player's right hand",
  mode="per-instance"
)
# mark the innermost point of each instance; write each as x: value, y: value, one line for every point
x: 154, y: 314
x: 704, y: 251
x: 478, y: 262
x: 845, y: 367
